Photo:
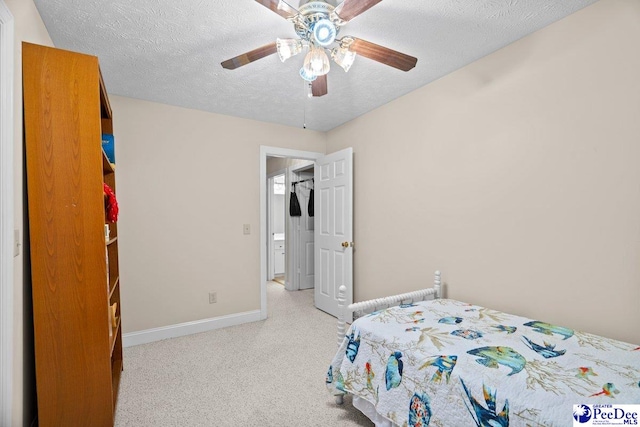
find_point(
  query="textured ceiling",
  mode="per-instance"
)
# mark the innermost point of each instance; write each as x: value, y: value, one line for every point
x: 169, y: 51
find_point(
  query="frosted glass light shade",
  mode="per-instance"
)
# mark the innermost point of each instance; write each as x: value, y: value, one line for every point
x: 305, y: 75
x: 288, y: 48
x: 343, y: 57
x: 316, y: 62
x: 324, y: 32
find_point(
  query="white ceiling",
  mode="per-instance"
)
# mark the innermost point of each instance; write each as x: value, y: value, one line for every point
x: 169, y: 51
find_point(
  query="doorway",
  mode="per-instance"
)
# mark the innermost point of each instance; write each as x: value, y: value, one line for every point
x: 290, y: 231
x: 333, y: 225
x: 281, y: 159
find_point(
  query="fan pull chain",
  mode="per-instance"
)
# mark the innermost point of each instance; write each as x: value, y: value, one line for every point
x: 304, y: 108
x: 304, y: 120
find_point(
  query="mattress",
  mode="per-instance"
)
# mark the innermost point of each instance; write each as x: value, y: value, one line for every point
x: 448, y: 363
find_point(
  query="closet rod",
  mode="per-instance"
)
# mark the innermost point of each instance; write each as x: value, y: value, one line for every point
x: 304, y: 180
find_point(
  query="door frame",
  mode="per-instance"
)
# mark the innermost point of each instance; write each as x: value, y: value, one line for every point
x: 266, y: 151
x: 6, y: 213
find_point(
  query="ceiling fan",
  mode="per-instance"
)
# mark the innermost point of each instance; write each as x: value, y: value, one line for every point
x: 318, y: 23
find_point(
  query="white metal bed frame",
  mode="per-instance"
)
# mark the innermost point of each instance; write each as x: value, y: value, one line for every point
x: 379, y: 303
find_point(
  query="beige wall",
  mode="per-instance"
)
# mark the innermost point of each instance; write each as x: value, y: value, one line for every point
x: 517, y: 176
x: 28, y: 26
x: 187, y: 181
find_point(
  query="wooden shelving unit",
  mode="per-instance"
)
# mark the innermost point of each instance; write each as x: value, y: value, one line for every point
x: 74, y: 269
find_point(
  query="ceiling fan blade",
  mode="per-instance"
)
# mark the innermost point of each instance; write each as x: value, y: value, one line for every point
x: 383, y: 54
x: 319, y: 86
x: 248, y: 57
x: 349, y: 9
x: 280, y: 7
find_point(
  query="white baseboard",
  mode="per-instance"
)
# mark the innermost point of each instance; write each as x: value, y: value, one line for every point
x: 188, y: 328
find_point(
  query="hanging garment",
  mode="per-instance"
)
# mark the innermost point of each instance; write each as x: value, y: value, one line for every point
x: 294, y: 204
x: 310, y: 207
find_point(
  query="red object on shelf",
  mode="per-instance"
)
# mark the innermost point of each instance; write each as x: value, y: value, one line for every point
x: 111, y: 204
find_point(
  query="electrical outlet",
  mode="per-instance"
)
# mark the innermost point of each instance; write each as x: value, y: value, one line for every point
x: 213, y: 297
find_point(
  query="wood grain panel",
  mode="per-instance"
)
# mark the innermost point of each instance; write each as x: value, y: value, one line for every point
x: 285, y: 10
x: 319, y: 86
x: 62, y: 116
x: 349, y: 9
x: 248, y: 57
x: 383, y: 55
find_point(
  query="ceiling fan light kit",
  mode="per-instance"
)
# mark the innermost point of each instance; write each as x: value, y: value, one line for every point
x: 316, y: 62
x: 288, y: 48
x: 324, y: 32
x: 343, y: 56
x: 307, y: 76
x: 318, y: 23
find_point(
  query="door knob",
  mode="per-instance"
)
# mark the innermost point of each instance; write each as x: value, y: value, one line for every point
x: 347, y: 244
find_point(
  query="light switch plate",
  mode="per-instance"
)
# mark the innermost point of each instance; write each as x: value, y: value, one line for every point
x: 246, y: 229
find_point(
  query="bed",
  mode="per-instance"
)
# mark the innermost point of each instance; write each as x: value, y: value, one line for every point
x: 421, y: 360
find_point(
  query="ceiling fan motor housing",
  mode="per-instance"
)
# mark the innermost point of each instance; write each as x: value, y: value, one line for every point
x: 313, y: 11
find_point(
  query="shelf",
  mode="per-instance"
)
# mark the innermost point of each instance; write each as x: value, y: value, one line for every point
x: 64, y: 95
x: 106, y: 166
x: 114, y: 287
x: 115, y: 335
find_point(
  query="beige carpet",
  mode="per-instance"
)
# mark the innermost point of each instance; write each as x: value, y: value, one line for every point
x: 268, y: 373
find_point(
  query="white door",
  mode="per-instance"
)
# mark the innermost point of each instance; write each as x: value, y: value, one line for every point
x: 333, y: 229
x: 306, y: 247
